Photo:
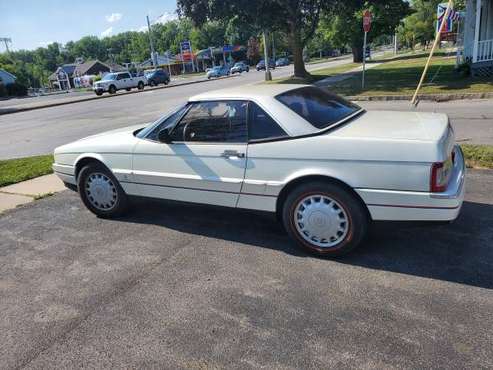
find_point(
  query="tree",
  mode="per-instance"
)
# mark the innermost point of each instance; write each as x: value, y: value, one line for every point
x: 297, y: 18
x: 345, y: 27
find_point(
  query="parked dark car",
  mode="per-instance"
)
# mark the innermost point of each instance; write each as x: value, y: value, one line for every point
x: 261, y: 65
x: 281, y: 62
x: 157, y: 77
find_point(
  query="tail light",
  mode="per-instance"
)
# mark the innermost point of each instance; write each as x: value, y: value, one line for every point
x: 440, y: 174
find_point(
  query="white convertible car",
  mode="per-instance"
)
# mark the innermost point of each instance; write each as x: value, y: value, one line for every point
x: 324, y: 165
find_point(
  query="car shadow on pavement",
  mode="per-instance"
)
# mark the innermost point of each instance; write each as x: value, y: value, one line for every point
x: 459, y: 252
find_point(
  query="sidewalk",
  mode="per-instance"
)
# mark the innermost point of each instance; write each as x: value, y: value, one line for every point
x: 344, y: 76
x: 28, y: 191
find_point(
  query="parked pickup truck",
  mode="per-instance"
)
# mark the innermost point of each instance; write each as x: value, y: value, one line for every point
x: 112, y: 82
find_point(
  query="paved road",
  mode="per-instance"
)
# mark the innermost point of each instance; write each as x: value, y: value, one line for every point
x: 40, y: 131
x: 173, y: 286
x: 76, y: 95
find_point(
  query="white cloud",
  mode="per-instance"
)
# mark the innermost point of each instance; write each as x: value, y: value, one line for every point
x: 45, y: 43
x: 107, y: 32
x: 142, y: 29
x: 166, y: 17
x: 114, y: 17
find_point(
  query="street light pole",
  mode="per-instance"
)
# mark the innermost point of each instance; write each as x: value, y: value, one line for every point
x: 153, y: 54
x: 268, y: 75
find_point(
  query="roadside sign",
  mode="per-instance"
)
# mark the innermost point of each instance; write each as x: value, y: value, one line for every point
x: 185, y: 47
x: 367, y: 21
x: 227, y: 48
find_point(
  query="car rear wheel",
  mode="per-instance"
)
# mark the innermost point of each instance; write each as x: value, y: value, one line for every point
x: 152, y: 83
x: 140, y: 85
x: 325, y: 219
x: 112, y: 89
x: 100, y: 191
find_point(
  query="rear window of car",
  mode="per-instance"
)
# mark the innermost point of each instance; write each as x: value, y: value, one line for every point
x: 319, y: 107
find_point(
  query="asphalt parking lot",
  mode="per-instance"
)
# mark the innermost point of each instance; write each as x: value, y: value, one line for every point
x: 185, y: 286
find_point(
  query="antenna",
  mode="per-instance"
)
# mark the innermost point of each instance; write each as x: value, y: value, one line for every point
x: 6, y: 40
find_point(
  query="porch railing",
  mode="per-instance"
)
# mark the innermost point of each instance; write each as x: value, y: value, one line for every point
x: 485, y: 50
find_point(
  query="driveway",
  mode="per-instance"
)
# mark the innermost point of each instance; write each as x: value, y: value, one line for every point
x: 175, y: 286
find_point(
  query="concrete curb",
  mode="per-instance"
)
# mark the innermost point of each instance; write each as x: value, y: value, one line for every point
x: 428, y: 97
x: 4, y: 111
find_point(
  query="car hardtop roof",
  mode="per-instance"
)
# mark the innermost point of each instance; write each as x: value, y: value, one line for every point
x: 249, y: 92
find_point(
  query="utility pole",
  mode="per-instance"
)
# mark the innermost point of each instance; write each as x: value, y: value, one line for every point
x: 6, y: 40
x: 212, y: 56
x: 153, y: 53
x: 268, y: 75
x: 273, y: 48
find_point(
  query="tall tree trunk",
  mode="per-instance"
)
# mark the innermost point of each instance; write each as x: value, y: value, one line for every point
x: 357, y: 54
x: 297, y: 48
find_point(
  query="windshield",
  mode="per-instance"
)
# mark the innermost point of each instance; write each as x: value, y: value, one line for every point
x: 319, y: 107
x: 238, y: 64
x: 216, y: 68
x: 109, y: 77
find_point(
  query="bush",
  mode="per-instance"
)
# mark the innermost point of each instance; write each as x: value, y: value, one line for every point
x: 16, y: 89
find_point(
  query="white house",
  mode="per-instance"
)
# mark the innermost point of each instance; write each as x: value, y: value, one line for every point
x: 6, y: 78
x: 478, y: 36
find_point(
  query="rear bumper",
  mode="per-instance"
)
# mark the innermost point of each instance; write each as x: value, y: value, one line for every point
x: 392, y: 205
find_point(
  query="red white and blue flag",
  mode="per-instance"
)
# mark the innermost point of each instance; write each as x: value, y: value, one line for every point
x: 453, y: 16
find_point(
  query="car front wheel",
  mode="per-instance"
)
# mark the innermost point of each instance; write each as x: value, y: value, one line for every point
x: 140, y: 85
x: 325, y: 219
x: 112, y: 89
x: 100, y: 191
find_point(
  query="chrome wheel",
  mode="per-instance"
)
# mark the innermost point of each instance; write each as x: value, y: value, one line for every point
x: 321, y: 220
x: 101, y: 192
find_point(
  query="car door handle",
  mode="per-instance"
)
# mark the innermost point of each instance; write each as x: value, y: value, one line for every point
x: 232, y: 154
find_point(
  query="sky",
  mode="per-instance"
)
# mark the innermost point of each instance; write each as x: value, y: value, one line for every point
x: 34, y: 23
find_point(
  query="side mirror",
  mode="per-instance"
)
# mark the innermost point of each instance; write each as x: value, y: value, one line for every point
x: 163, y: 136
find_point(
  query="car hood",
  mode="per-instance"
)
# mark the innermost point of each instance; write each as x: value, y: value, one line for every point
x: 103, y: 142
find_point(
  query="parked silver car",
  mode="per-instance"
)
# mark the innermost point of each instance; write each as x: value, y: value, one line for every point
x: 218, y: 71
x: 240, y: 67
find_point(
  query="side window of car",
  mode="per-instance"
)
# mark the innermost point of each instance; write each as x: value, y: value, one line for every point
x: 121, y: 76
x: 169, y: 122
x: 214, y: 121
x: 261, y: 125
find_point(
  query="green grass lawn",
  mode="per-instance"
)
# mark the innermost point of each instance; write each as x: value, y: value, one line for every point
x: 16, y: 170
x: 478, y: 156
x: 401, y: 75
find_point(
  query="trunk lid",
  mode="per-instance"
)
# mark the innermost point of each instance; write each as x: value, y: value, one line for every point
x: 394, y: 126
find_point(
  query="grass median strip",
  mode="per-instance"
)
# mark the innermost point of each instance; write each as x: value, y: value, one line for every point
x: 17, y: 170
